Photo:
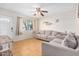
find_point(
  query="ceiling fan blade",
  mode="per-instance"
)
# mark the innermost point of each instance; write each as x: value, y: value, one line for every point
x: 44, y: 11
x: 41, y: 14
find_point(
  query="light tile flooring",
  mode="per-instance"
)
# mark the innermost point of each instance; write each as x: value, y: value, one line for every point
x: 27, y: 47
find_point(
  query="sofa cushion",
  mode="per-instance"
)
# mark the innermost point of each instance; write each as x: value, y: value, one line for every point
x: 60, y: 35
x: 57, y: 41
x: 53, y: 33
x: 47, y: 33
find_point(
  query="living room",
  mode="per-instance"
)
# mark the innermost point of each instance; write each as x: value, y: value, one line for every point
x: 33, y: 27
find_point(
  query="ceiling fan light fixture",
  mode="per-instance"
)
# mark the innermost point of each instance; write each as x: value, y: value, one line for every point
x: 40, y: 12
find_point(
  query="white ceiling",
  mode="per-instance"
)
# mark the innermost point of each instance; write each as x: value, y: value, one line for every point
x: 26, y: 8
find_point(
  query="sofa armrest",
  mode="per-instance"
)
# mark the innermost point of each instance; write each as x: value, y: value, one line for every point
x: 52, y: 50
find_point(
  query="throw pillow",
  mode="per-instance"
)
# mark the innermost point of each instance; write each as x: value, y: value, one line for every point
x: 70, y: 41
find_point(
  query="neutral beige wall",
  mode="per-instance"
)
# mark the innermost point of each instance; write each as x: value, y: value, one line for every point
x: 13, y: 16
x: 68, y: 21
x: 14, y: 21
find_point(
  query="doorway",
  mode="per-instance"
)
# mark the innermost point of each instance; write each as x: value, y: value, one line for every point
x: 5, y: 26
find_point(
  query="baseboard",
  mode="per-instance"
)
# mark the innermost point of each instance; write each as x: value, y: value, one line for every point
x: 18, y: 38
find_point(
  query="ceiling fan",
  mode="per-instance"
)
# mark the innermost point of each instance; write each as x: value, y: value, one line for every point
x: 39, y: 12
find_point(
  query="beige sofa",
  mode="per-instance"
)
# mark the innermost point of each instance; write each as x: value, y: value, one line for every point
x: 48, y: 35
x: 60, y: 44
x: 57, y: 47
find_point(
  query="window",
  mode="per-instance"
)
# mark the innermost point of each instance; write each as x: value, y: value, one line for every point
x: 25, y: 24
x: 28, y: 24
